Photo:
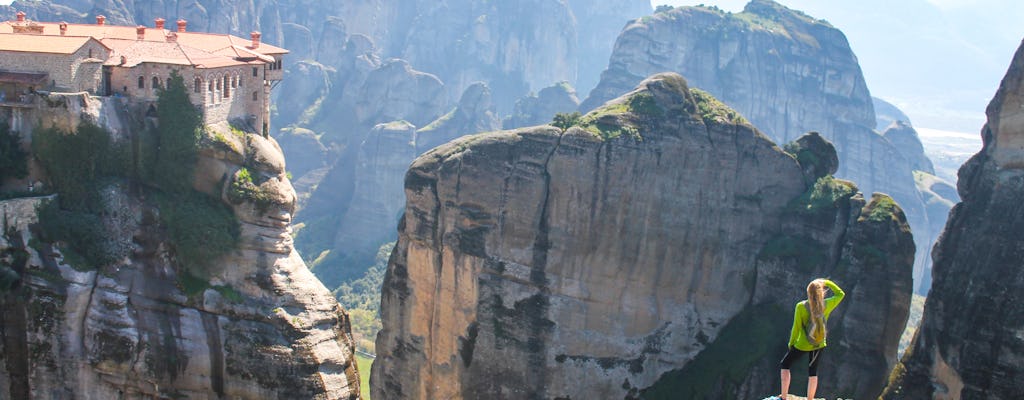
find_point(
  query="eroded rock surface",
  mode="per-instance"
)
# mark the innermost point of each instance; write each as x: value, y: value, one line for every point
x: 969, y: 345
x: 767, y: 63
x: 257, y: 325
x: 631, y: 255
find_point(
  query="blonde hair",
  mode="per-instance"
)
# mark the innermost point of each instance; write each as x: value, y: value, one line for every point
x: 816, y: 330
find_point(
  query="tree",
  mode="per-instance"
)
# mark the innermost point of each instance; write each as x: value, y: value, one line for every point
x: 13, y: 160
x: 178, y: 135
x: 565, y: 121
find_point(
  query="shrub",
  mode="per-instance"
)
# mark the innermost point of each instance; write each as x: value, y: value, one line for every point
x: 13, y: 160
x: 200, y: 227
x: 565, y: 121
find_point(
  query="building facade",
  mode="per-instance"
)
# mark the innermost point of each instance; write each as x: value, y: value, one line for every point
x: 228, y: 77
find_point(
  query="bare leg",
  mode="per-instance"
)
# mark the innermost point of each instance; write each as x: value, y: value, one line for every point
x: 785, y: 383
x: 812, y: 387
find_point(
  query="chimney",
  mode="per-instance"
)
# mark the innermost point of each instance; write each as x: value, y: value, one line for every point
x: 172, y: 37
x: 63, y: 28
x: 159, y: 23
x: 20, y: 16
x: 140, y: 32
x: 181, y: 25
x: 255, y: 39
x: 101, y: 20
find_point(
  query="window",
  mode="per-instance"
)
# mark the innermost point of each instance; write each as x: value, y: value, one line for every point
x: 198, y: 85
x: 254, y: 96
x: 156, y: 82
x: 255, y: 71
x: 142, y: 83
x: 278, y: 64
x: 227, y: 87
x: 211, y: 86
x: 218, y: 84
x: 234, y: 82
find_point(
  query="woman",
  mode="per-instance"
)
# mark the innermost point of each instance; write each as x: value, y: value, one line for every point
x: 809, y: 332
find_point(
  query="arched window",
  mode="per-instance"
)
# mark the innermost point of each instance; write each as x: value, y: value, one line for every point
x: 156, y: 82
x: 198, y: 85
x: 253, y: 96
x: 234, y: 81
x: 142, y: 83
x: 227, y: 88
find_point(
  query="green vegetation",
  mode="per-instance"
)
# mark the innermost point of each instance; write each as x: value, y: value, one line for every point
x: 805, y: 251
x: 824, y: 196
x: 803, y: 156
x: 881, y: 208
x: 244, y: 188
x: 565, y: 121
x: 13, y: 160
x: 361, y: 298
x: 201, y: 228
x: 712, y: 110
x: 438, y: 122
x: 178, y: 136
x: 364, y: 364
x: 194, y: 286
x: 79, y: 164
x: 644, y: 104
x: 720, y: 367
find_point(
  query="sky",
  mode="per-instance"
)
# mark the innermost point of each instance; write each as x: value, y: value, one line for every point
x: 940, y: 61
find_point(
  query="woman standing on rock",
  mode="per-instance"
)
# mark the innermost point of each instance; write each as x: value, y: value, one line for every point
x: 809, y: 332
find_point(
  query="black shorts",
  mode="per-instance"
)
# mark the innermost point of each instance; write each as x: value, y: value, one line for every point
x: 812, y: 362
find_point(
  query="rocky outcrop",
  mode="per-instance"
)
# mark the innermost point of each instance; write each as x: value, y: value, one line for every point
x: 904, y: 138
x: 474, y: 114
x: 969, y: 344
x: 766, y: 62
x: 598, y: 23
x: 886, y: 113
x: 257, y: 323
x: 635, y: 253
x: 513, y: 47
x: 540, y: 108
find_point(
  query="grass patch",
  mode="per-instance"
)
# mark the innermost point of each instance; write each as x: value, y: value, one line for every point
x: 712, y: 110
x: 437, y: 123
x: 364, y: 364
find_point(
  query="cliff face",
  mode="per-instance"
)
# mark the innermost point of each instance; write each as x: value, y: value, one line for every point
x: 257, y: 325
x: 639, y: 246
x: 969, y: 344
x: 785, y: 71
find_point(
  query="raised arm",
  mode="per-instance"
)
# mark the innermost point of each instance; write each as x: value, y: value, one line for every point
x: 837, y: 296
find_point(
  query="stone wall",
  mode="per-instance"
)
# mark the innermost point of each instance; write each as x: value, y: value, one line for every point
x: 67, y: 72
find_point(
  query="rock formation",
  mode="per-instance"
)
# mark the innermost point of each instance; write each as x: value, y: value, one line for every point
x: 766, y: 62
x: 969, y: 345
x: 540, y: 108
x: 257, y: 324
x: 598, y: 23
x: 886, y: 113
x: 657, y: 246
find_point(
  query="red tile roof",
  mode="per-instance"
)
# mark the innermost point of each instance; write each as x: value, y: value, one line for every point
x: 203, y: 50
x: 42, y: 43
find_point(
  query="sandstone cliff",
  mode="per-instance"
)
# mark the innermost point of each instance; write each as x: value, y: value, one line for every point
x: 785, y: 71
x: 969, y: 345
x: 252, y: 324
x: 655, y: 247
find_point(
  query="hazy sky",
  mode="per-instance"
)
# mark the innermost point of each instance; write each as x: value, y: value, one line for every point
x: 940, y: 61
